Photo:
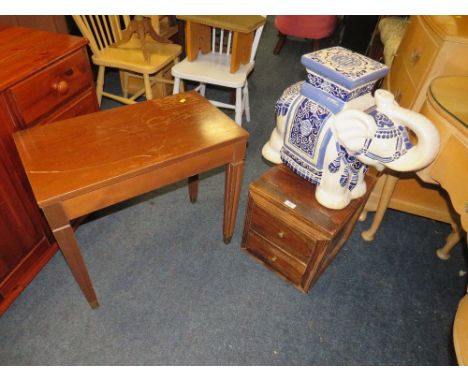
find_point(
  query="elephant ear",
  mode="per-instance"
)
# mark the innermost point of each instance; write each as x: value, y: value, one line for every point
x: 351, y: 128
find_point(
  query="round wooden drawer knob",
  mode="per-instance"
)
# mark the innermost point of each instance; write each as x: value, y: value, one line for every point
x: 280, y: 234
x: 61, y: 87
x: 415, y: 56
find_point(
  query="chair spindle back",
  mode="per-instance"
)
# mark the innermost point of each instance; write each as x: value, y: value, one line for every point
x: 101, y: 30
x: 218, y: 41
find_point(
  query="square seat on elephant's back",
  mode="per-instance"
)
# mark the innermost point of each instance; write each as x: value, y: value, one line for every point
x: 290, y: 232
x: 344, y: 67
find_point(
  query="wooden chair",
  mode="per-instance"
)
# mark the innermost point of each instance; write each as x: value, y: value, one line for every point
x: 104, y: 34
x: 213, y: 68
x: 164, y: 25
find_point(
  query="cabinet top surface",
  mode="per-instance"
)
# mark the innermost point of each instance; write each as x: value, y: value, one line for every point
x: 24, y: 51
x: 296, y: 194
x: 81, y: 154
x: 450, y: 93
x: 449, y: 27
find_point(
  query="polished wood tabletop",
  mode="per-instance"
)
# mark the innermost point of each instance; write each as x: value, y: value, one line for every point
x: 70, y: 157
x: 80, y: 165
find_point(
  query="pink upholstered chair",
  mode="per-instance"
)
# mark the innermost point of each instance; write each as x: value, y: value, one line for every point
x: 314, y: 28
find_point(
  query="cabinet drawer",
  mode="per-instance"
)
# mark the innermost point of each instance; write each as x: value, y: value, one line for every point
x: 416, y: 52
x: 39, y: 95
x: 83, y: 105
x: 274, y: 257
x: 399, y: 83
x: 268, y: 221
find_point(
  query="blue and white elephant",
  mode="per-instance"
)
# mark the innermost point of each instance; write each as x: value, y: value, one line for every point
x: 333, y: 150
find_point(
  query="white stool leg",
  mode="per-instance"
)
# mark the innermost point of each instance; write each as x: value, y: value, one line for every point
x: 246, y: 102
x: 202, y: 89
x: 239, y: 106
x: 176, y: 87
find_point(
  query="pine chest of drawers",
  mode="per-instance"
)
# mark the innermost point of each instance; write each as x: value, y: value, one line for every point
x: 290, y: 232
x: 45, y: 77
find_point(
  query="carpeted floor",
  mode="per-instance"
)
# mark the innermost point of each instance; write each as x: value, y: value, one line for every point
x: 172, y: 293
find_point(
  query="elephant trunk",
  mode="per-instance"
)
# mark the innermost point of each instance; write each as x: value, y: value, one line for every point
x: 427, y: 147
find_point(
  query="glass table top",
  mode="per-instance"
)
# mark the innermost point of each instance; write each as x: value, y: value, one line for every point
x: 451, y: 94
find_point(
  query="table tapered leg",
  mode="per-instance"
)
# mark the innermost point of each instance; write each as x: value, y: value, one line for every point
x: 193, y: 188
x: 66, y: 240
x: 234, y: 172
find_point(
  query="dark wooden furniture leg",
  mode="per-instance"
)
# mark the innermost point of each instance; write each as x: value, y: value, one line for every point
x: 234, y: 172
x: 280, y: 43
x: 315, y: 45
x: 66, y: 240
x: 193, y: 187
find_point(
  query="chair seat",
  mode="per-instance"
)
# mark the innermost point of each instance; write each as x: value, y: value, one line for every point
x: 311, y: 27
x: 212, y: 68
x: 129, y: 56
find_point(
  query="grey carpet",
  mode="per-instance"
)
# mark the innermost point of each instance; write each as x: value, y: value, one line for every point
x: 172, y: 293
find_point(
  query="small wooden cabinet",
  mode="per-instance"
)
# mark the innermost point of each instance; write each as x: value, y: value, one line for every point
x: 45, y: 77
x: 290, y: 232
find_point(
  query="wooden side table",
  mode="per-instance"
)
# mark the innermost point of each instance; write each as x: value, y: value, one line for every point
x: 287, y: 230
x: 432, y: 46
x: 446, y: 106
x: 84, y: 164
x: 198, y: 35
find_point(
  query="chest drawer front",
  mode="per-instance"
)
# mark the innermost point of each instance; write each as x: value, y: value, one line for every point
x: 39, y: 95
x: 416, y: 52
x: 399, y: 83
x: 279, y: 228
x: 83, y: 105
x: 274, y: 257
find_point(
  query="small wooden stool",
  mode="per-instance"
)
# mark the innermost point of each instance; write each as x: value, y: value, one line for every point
x: 198, y: 35
x: 290, y: 232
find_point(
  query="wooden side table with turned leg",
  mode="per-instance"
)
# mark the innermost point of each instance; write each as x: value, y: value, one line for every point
x: 432, y: 46
x: 447, y: 107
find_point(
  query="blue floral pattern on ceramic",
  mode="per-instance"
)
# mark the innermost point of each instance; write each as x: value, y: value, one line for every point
x: 344, y: 66
x: 306, y: 135
x: 300, y: 167
x: 387, y: 130
x: 288, y: 96
x: 351, y: 167
x: 337, y: 91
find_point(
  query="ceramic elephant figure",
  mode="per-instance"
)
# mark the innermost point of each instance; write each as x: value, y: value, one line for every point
x: 333, y: 150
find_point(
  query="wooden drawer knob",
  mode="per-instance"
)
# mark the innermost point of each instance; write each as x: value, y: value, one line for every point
x: 415, y: 56
x: 273, y: 259
x: 61, y: 87
x: 280, y: 234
